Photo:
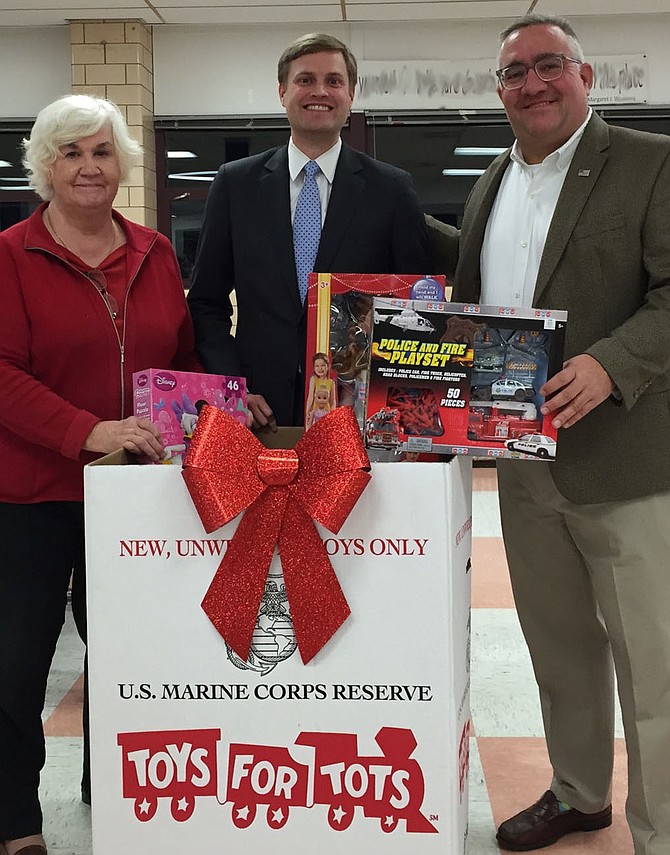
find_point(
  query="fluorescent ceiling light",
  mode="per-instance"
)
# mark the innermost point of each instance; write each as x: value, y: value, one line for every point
x: 463, y: 172
x: 180, y: 155
x: 4, y: 163
x: 478, y: 151
x: 193, y: 176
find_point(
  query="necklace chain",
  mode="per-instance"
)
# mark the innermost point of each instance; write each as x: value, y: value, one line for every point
x: 60, y: 240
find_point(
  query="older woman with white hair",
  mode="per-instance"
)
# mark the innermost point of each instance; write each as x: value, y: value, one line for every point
x: 87, y: 298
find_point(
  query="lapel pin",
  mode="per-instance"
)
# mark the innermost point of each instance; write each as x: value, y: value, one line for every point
x: 584, y: 173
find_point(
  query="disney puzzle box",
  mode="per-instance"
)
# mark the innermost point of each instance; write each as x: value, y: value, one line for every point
x: 462, y: 379
x: 172, y: 401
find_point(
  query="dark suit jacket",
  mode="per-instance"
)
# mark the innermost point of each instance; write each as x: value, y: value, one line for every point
x: 607, y: 261
x: 373, y: 224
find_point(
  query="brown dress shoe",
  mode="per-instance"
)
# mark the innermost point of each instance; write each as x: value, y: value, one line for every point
x: 32, y: 850
x: 544, y: 823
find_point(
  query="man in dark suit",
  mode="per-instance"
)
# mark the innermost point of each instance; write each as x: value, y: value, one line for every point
x: 575, y: 216
x: 371, y: 223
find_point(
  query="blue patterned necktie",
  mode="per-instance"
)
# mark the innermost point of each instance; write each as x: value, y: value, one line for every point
x: 307, y: 227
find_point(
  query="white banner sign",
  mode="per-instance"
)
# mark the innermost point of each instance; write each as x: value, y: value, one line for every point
x: 471, y: 84
x: 620, y: 80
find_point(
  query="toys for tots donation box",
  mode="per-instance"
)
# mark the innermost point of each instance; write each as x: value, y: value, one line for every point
x: 360, y: 741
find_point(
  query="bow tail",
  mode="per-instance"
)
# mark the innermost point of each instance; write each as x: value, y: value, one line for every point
x: 234, y: 595
x: 317, y: 603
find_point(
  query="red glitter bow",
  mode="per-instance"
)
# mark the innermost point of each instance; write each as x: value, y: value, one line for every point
x: 227, y: 470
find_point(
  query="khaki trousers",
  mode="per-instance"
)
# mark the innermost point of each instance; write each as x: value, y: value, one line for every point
x: 592, y: 589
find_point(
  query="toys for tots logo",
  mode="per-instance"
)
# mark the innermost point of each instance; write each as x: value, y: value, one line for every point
x: 174, y: 764
x: 321, y: 769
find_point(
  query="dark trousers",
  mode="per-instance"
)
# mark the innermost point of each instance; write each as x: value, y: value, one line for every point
x: 41, y: 545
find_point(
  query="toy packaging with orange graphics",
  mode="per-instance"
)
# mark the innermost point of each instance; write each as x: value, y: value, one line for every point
x: 339, y: 327
x: 462, y: 379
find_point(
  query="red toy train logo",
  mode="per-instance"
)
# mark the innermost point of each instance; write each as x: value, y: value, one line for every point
x: 321, y: 769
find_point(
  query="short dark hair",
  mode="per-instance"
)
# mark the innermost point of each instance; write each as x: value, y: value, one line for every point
x: 534, y: 20
x: 317, y: 43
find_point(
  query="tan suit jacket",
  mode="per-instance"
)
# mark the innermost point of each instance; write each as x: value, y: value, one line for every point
x: 607, y: 262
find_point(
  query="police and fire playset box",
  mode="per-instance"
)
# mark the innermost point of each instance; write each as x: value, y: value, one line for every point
x: 462, y: 379
x: 172, y: 401
x: 339, y: 327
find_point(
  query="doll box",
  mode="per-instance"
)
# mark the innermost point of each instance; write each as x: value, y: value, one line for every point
x: 339, y: 319
x: 172, y: 401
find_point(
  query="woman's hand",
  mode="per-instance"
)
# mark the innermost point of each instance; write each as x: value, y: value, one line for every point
x: 138, y: 436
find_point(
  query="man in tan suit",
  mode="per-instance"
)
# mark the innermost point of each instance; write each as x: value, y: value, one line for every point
x: 577, y: 216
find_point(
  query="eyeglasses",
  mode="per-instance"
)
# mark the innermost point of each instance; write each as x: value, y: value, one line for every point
x: 548, y: 68
x: 97, y: 277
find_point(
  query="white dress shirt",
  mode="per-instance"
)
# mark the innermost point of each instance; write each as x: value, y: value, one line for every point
x: 518, y: 224
x: 324, y: 179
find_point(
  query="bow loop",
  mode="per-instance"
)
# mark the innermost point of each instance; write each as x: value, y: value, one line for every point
x: 343, y: 472
x: 219, y: 490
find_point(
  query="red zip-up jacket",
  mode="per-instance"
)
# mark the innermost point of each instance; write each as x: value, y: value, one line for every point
x: 63, y: 367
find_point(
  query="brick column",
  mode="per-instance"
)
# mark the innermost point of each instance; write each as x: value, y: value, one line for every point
x: 114, y: 59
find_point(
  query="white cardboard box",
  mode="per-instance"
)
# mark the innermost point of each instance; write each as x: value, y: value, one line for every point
x: 365, y: 747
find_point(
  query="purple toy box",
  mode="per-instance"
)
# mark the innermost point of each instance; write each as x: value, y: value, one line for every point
x: 172, y: 400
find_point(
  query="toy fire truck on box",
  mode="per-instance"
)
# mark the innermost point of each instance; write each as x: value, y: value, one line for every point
x: 496, y: 420
x: 462, y: 379
x: 382, y: 429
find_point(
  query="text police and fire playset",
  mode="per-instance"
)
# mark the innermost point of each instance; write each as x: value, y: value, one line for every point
x: 462, y: 379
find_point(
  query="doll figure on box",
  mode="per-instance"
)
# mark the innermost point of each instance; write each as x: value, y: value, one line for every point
x: 321, y: 382
x: 321, y: 404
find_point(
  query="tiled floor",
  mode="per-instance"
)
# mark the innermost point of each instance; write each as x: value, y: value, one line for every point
x: 509, y: 766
